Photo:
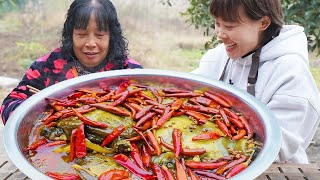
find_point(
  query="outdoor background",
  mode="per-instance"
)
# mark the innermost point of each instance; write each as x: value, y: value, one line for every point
x: 158, y: 38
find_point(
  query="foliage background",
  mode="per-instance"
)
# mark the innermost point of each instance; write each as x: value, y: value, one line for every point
x: 302, y: 12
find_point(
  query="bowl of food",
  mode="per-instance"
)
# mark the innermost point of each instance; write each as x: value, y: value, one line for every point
x: 142, y: 123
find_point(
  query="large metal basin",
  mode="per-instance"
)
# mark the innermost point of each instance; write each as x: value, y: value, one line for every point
x: 266, y: 128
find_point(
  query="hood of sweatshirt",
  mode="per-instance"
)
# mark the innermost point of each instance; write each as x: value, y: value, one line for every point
x: 291, y: 40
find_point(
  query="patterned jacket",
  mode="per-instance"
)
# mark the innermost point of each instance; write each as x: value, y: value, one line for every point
x: 46, y: 71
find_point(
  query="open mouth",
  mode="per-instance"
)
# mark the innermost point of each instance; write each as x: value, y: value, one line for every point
x: 230, y: 47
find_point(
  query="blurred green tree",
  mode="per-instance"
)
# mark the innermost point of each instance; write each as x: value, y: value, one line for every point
x: 302, y: 12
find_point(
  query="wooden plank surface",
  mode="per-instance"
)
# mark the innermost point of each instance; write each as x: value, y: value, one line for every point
x: 291, y: 172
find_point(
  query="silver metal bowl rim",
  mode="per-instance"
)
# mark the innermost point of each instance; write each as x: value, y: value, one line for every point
x: 270, y: 149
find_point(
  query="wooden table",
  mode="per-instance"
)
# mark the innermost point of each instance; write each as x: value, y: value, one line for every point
x: 275, y: 172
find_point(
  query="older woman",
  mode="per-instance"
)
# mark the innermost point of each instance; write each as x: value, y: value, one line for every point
x: 92, y: 41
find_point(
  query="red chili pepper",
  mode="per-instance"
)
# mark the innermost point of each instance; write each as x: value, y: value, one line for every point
x: 167, y: 173
x: 225, y: 118
x: 105, y: 97
x: 239, y: 167
x: 123, y: 86
x: 144, y: 96
x: 145, y: 126
x: 54, y: 143
x: 135, y: 106
x: 56, y: 107
x: 63, y: 176
x: 156, y: 94
x: 193, y: 101
x: 80, y: 144
x: 145, y: 156
x: 236, y: 122
x: 179, y: 113
x: 233, y: 130
x: 180, y: 172
x: 113, y: 135
x: 154, y: 143
x: 164, y: 118
x: 230, y: 113
x: 121, y: 99
x: 143, y: 111
x: 210, y: 174
x: 177, y: 104
x: 192, y: 175
x: 154, y: 125
x: 75, y: 95
x: 131, y: 93
x: 247, y: 127
x: 206, y: 136
x: 203, y: 100
x: 177, y: 141
x: 158, y: 111
x: 135, y: 100
x: 88, y: 121
x: 80, y: 110
x: 124, y: 161
x: 136, y: 138
x: 53, y: 117
x: 114, y: 175
x: 227, y: 100
x: 205, y: 165
x: 224, y: 168
x: 197, y: 116
x: 185, y: 151
x: 173, y: 90
x: 236, y: 170
x: 134, y: 112
x: 52, y: 124
x: 156, y: 169
x: 151, y: 102
x: 223, y: 127
x: 73, y: 144
x: 94, y: 90
x: 201, y: 109
x: 183, y: 95
x: 67, y: 104
x: 87, y: 100
x: 36, y: 144
x: 217, y: 99
x: 135, y: 154
x: 48, y: 114
x: 112, y: 109
x: 240, y: 135
x: 150, y: 149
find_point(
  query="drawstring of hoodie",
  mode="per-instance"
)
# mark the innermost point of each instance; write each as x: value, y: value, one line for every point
x: 230, y: 73
x: 244, y: 65
x: 253, y: 73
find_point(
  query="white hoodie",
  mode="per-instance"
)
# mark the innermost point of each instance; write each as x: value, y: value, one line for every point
x: 284, y: 84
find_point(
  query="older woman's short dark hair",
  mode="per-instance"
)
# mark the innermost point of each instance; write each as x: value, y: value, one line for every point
x: 228, y: 10
x: 78, y: 17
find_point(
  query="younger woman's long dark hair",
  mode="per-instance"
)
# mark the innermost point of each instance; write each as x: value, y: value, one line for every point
x: 78, y: 17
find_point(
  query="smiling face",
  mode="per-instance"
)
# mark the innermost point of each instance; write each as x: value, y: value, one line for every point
x: 241, y: 37
x: 90, y: 45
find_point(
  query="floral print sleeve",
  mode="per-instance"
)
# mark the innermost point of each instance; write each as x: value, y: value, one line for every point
x: 33, y: 77
x: 132, y: 64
